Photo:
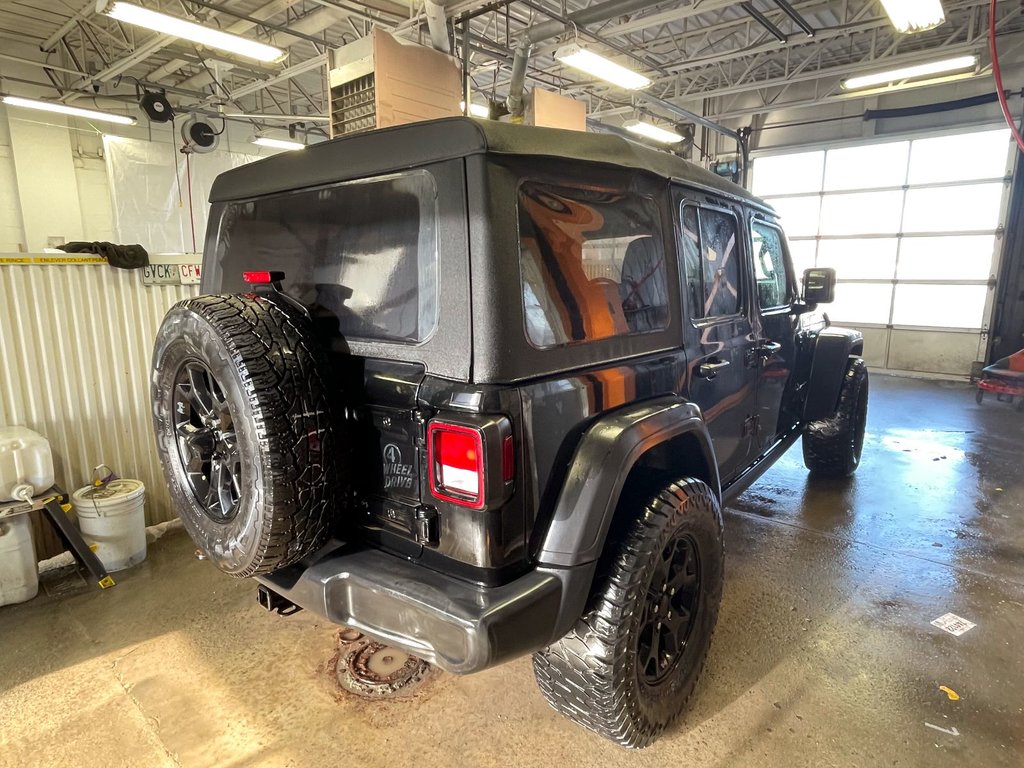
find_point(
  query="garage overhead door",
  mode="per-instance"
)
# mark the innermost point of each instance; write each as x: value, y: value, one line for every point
x: 912, y: 228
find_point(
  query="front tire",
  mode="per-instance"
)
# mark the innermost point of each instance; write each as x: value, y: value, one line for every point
x: 832, y: 447
x: 628, y: 667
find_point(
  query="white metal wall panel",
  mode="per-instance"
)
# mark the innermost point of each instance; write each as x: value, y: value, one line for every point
x: 75, y: 347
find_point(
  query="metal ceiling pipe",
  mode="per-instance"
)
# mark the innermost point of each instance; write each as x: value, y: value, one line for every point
x: 437, y: 25
x: 668, y: 106
x: 517, y: 85
x: 796, y: 16
x: 764, y: 21
x: 548, y: 29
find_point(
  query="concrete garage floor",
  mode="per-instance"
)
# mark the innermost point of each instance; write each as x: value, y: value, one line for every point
x: 824, y: 655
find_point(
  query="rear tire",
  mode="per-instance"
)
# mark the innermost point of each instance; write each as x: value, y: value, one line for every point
x: 628, y: 667
x: 832, y: 447
x: 979, y: 396
x: 244, y: 430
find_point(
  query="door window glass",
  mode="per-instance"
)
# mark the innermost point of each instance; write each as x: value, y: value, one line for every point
x: 770, y: 266
x: 711, y: 262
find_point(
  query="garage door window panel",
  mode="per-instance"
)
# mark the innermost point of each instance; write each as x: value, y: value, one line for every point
x: 940, y: 306
x: 967, y: 257
x: 861, y: 213
x: 961, y: 157
x: 868, y: 303
x: 802, y: 254
x: 800, y: 215
x: 788, y: 174
x: 869, y: 258
x: 867, y: 167
x: 961, y: 208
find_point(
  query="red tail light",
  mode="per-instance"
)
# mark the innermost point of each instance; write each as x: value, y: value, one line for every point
x: 262, y: 278
x: 456, y: 457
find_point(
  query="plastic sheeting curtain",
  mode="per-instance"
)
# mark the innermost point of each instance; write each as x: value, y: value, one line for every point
x: 150, y: 185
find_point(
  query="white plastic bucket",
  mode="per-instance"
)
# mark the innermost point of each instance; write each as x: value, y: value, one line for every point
x: 112, y: 520
x: 19, y: 574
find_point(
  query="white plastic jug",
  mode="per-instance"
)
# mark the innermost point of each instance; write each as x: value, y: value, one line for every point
x: 26, y: 464
x: 19, y: 573
x: 113, y: 522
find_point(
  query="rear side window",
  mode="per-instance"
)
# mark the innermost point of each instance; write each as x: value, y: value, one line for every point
x: 363, y: 254
x: 711, y: 261
x: 592, y: 264
x: 769, y: 266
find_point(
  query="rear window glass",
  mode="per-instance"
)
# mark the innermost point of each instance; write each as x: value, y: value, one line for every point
x: 592, y: 264
x: 361, y: 253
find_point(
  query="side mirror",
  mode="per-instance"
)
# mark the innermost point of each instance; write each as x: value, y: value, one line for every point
x: 819, y: 286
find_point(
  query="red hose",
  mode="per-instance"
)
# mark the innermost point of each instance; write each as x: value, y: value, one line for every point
x: 191, y: 215
x: 998, y: 75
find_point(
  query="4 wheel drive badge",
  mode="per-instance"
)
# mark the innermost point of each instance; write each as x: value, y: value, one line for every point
x: 397, y: 475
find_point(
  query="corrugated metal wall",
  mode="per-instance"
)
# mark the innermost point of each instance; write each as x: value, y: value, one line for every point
x: 75, y: 346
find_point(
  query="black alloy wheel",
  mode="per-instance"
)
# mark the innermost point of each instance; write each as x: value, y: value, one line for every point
x: 668, y: 616
x: 207, y: 443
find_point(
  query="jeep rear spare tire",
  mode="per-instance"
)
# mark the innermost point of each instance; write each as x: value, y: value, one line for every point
x: 832, y: 446
x: 244, y: 430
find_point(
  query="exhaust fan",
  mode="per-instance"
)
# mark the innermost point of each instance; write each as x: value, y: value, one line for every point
x: 199, y: 136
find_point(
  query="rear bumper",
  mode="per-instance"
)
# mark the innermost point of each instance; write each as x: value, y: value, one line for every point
x: 458, y: 626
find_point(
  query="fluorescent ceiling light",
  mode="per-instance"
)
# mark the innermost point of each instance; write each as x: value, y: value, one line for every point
x: 906, y: 73
x: 65, y: 109
x: 587, y: 61
x: 266, y: 141
x: 476, y: 110
x: 197, y: 33
x: 653, y: 132
x: 289, y: 118
x: 914, y: 15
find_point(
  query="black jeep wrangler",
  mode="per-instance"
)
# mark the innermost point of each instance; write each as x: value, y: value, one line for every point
x: 481, y: 390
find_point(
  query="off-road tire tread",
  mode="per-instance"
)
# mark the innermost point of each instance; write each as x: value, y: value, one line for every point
x: 588, y: 676
x: 282, y: 370
x: 828, y: 444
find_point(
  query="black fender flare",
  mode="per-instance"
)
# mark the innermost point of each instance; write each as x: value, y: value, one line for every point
x: 831, y: 351
x: 603, y: 459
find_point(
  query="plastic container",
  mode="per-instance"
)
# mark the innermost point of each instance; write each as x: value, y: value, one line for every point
x: 26, y: 464
x: 19, y: 572
x: 112, y: 520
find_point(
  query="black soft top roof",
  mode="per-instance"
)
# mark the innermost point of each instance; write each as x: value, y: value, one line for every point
x: 409, y: 146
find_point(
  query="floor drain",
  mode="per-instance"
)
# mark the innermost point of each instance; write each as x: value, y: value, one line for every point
x: 376, y: 671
